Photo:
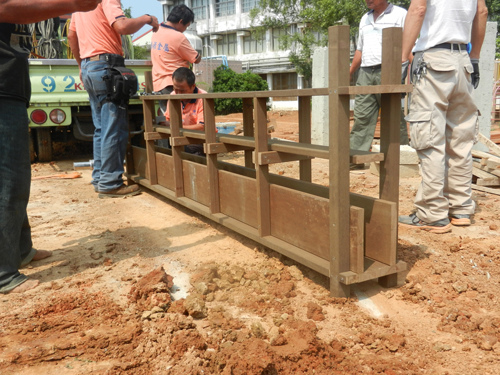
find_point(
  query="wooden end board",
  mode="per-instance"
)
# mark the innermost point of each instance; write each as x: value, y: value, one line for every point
x: 238, y: 197
x: 381, y: 225
x: 196, y: 182
x: 357, y: 234
x: 300, y: 219
x: 165, y: 170
x: 140, y: 160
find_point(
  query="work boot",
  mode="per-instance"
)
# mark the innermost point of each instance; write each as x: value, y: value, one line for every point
x: 122, y: 191
x: 460, y: 220
x: 438, y: 227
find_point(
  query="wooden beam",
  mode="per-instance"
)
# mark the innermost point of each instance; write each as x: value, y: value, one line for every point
x: 174, y: 107
x: 248, y: 128
x: 486, y: 189
x: 361, y: 157
x: 486, y: 169
x: 213, y: 172
x: 380, y: 89
x: 339, y: 113
x: 243, y: 95
x: 305, y: 166
x: 494, y: 148
x: 148, y: 110
x: 153, y: 136
x: 263, y: 193
x: 372, y: 271
x: 357, y: 232
x: 273, y: 157
x: 220, y: 148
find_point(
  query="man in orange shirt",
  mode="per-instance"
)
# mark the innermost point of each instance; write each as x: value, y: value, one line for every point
x: 170, y: 49
x: 183, y: 80
x: 95, y: 39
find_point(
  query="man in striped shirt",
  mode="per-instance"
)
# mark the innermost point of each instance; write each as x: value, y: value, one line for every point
x: 368, y: 56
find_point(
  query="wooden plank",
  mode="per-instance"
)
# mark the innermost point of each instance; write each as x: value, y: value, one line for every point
x: 381, y: 227
x: 494, y: 148
x: 140, y: 161
x: 263, y: 203
x: 317, y: 151
x: 493, y: 181
x: 485, y: 168
x: 305, y: 166
x: 162, y: 129
x: 486, y: 189
x: 238, y: 197
x: 248, y: 128
x: 148, y: 109
x: 236, y: 140
x: 153, y: 136
x: 338, y: 75
x: 357, y: 232
x: 179, y: 141
x: 361, y: 157
x: 273, y: 157
x: 493, y: 164
x: 300, y: 219
x: 244, y: 94
x: 175, y: 110
x: 482, y: 174
x: 373, y: 270
x: 195, y: 182
x: 213, y: 173
x: 220, y: 148
x: 485, y: 155
x: 165, y: 170
x: 380, y: 89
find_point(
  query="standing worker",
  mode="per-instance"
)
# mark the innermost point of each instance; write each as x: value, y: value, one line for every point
x: 443, y: 117
x: 170, y: 49
x: 95, y: 39
x: 15, y: 170
x: 368, y: 55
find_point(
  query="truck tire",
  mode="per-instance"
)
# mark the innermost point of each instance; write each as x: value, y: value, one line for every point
x: 44, y: 144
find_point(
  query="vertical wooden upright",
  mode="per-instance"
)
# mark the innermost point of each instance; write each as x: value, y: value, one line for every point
x: 338, y: 73
x: 390, y: 126
x: 305, y: 171
x: 174, y: 107
x: 248, y: 128
x: 262, y: 171
x: 213, y: 174
x: 148, y: 107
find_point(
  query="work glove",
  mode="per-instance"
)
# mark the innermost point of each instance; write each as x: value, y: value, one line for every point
x: 475, y: 73
x: 404, y: 71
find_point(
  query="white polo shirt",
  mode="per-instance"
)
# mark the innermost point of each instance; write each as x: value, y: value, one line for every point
x: 370, y: 33
x: 446, y: 22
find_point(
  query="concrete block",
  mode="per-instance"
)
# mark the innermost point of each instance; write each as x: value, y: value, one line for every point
x: 407, y: 155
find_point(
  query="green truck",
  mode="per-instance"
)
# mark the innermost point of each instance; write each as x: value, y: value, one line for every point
x: 60, y: 109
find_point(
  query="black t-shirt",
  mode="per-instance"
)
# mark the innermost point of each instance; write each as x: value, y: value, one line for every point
x: 15, y: 46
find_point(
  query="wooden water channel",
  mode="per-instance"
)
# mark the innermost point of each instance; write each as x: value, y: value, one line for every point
x: 348, y: 237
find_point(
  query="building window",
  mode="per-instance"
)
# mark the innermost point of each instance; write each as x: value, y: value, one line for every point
x: 248, y: 5
x: 251, y: 45
x: 224, y: 7
x: 199, y: 8
x: 284, y: 81
x: 207, y: 48
x: 277, y: 34
x: 227, y: 45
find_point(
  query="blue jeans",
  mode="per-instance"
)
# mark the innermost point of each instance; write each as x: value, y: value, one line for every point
x: 111, y: 129
x: 15, y: 180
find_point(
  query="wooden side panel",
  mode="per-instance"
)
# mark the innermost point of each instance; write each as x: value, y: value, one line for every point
x: 140, y: 160
x: 196, y: 182
x: 238, y: 197
x: 165, y: 170
x: 300, y: 219
x: 357, y: 231
x: 381, y: 225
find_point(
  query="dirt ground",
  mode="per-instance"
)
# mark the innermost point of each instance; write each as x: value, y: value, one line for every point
x: 143, y: 286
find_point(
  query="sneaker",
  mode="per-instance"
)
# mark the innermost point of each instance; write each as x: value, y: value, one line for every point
x: 122, y: 191
x: 438, y: 227
x: 460, y: 220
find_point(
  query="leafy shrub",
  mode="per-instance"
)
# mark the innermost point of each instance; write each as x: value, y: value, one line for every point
x: 227, y: 80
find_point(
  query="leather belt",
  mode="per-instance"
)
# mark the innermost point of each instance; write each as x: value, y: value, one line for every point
x: 101, y: 57
x: 452, y: 46
x: 379, y: 66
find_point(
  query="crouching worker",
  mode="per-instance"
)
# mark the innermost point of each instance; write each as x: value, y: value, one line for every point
x: 183, y: 80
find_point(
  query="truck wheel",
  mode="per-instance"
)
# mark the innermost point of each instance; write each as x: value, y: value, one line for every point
x: 44, y: 144
x: 32, y: 147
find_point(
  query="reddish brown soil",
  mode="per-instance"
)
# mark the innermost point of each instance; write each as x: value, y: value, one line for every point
x: 143, y: 286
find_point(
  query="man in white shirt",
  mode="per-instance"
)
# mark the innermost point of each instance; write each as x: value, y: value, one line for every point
x: 443, y: 116
x: 368, y: 56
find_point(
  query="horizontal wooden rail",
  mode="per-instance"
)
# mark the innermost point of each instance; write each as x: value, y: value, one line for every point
x: 381, y: 89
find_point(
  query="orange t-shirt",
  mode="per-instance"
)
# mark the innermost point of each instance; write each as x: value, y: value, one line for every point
x: 192, y: 110
x: 95, y: 31
x: 170, y: 49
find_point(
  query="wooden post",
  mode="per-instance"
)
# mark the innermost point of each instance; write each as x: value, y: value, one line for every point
x: 149, y: 109
x: 305, y: 172
x: 174, y: 107
x: 248, y: 128
x: 213, y: 173
x: 263, y: 190
x: 390, y: 126
x: 338, y: 72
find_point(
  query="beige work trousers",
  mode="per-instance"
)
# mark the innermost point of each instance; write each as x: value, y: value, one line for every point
x: 443, y: 128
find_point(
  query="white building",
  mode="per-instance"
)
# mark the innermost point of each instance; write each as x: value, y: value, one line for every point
x: 224, y: 27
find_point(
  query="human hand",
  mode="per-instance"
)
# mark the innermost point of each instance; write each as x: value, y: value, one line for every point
x: 404, y: 71
x: 475, y: 73
x: 154, y: 23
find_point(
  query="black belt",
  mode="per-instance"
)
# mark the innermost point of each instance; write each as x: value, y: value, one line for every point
x: 102, y: 57
x: 452, y: 46
x: 379, y: 66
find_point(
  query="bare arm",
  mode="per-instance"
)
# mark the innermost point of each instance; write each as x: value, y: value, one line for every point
x: 478, y: 29
x: 126, y: 26
x: 413, y: 24
x: 356, y: 62
x: 198, y: 126
x: 21, y: 11
x: 73, y: 44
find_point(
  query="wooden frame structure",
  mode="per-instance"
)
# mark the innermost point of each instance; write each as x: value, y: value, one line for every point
x: 348, y: 237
